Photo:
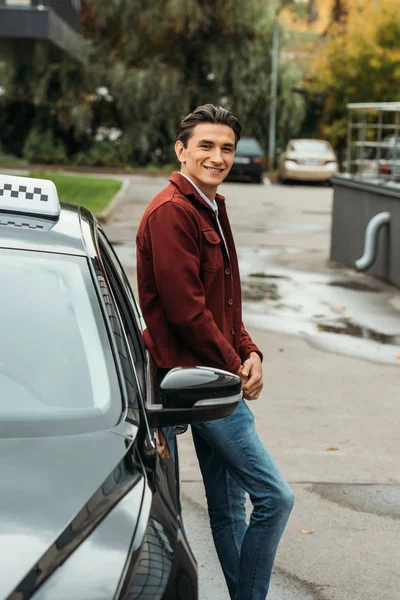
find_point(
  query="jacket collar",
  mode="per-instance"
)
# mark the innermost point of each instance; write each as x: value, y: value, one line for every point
x: 187, y: 189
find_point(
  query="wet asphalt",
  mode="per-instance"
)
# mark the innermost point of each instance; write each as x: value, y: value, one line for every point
x: 329, y: 410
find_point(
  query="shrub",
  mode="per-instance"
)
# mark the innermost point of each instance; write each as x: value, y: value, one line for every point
x: 42, y: 147
x: 100, y: 154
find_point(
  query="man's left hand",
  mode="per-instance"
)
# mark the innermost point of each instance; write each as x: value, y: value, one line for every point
x: 251, y: 374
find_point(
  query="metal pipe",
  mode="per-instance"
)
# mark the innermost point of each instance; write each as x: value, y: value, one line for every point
x: 371, y: 241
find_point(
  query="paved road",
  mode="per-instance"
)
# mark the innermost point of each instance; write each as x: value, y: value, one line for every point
x: 329, y: 409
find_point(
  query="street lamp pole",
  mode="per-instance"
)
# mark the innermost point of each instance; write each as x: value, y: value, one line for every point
x: 274, y: 89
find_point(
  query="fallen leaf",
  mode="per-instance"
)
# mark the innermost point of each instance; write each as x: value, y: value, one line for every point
x: 280, y: 349
x: 338, y: 308
x: 331, y: 448
x: 345, y: 492
x: 397, y: 357
x: 306, y: 531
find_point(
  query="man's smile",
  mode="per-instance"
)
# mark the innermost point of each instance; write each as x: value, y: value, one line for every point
x: 213, y: 169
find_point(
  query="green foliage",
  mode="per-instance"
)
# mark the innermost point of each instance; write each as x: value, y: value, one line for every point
x: 162, y: 58
x: 100, y: 154
x: 158, y: 60
x: 42, y: 147
x: 359, y: 61
x: 11, y: 161
x: 41, y: 99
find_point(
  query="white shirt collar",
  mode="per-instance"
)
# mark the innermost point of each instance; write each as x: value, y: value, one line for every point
x: 212, y: 203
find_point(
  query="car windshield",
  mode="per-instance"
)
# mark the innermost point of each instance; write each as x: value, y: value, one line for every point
x: 57, y: 374
x: 249, y: 146
x: 311, y: 147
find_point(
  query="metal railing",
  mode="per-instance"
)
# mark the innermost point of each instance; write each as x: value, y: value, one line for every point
x: 373, y: 141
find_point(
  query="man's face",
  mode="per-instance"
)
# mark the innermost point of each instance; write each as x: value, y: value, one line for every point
x: 208, y: 156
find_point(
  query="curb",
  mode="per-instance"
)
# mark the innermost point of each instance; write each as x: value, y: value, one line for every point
x: 111, y: 207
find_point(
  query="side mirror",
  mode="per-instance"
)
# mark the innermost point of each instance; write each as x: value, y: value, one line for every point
x: 190, y: 395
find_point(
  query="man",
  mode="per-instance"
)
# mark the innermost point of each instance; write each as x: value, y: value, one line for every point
x: 189, y: 291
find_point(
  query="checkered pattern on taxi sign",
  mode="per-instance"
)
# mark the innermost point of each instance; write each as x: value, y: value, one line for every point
x: 24, y: 192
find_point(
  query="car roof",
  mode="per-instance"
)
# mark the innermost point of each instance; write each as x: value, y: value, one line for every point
x: 40, y: 225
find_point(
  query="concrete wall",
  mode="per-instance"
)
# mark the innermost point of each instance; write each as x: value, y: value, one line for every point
x: 355, y: 202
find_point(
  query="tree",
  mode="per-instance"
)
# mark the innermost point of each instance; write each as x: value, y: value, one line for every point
x: 357, y: 61
x: 38, y: 103
x: 161, y: 58
x: 151, y: 62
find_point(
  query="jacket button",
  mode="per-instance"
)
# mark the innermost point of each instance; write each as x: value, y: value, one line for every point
x: 227, y: 271
x: 230, y: 301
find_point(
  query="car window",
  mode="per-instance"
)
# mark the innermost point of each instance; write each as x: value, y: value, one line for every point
x: 311, y: 146
x: 132, y: 306
x: 57, y: 373
x: 249, y: 146
x: 132, y: 333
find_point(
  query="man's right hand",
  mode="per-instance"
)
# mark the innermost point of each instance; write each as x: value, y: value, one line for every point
x: 251, y: 375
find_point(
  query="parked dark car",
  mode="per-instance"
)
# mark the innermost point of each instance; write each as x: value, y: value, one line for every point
x: 89, y: 505
x: 249, y: 163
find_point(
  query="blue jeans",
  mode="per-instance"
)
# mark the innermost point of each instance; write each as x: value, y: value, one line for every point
x: 233, y: 461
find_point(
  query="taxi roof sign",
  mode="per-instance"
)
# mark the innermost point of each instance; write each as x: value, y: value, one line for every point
x: 29, y: 196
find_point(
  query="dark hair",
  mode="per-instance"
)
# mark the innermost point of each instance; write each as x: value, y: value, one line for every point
x: 208, y: 113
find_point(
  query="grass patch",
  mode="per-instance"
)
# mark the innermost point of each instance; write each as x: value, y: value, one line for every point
x: 94, y: 193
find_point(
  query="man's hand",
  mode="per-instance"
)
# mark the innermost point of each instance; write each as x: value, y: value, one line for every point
x: 251, y: 374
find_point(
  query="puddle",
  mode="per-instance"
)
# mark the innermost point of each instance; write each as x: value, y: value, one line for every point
x: 268, y: 275
x: 357, y: 286
x: 344, y: 315
x: 360, y: 332
x: 261, y: 290
x: 377, y: 499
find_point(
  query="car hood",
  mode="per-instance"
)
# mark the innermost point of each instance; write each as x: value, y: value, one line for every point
x: 45, y: 482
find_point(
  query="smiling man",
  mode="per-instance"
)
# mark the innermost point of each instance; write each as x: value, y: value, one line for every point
x: 189, y: 291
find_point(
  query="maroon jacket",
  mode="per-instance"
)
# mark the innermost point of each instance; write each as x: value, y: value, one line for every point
x: 189, y: 288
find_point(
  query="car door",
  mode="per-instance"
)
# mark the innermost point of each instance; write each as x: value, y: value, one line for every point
x: 156, y: 458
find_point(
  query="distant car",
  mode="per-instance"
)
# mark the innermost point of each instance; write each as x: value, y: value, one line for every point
x: 90, y: 498
x: 307, y: 160
x: 249, y: 161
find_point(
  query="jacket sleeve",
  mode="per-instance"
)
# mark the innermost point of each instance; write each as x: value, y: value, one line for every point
x: 172, y: 240
x: 247, y: 345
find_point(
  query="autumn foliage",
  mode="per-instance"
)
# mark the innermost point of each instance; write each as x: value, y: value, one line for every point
x: 357, y: 60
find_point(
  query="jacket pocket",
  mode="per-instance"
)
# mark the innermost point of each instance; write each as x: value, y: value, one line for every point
x: 212, y: 259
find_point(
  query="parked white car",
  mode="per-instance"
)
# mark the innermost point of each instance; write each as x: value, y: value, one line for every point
x: 307, y: 160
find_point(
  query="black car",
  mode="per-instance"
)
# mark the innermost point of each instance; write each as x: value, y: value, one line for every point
x: 89, y: 505
x: 249, y: 163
